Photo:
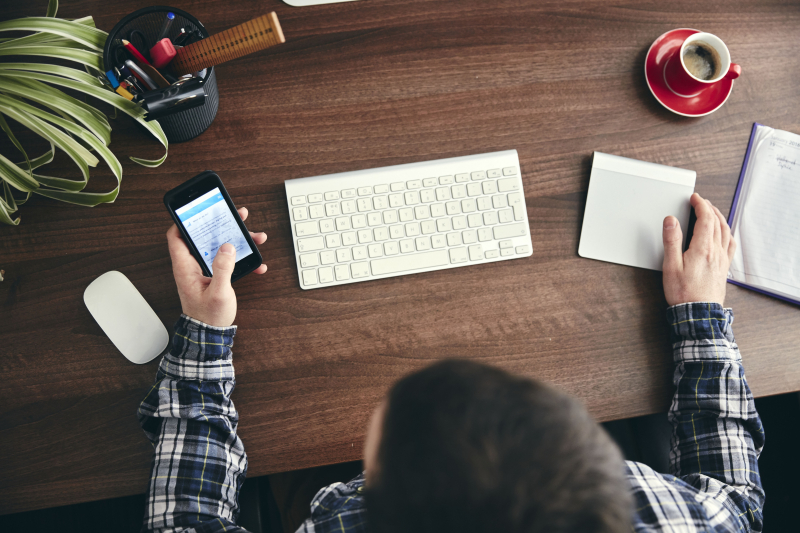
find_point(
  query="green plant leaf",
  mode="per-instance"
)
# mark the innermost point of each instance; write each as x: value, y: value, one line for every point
x: 5, y: 128
x: 75, y: 74
x: 38, y: 38
x: 52, y: 8
x: 89, y: 36
x: 93, y: 59
x: 16, y: 177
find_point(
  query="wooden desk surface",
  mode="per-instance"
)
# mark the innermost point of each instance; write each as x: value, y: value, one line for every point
x: 369, y: 84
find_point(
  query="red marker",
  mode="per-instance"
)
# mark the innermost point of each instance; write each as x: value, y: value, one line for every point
x: 134, y: 52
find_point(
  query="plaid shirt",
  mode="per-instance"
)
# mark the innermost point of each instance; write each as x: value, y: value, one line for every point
x: 713, y: 485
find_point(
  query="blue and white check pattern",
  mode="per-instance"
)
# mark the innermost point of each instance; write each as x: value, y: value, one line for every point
x: 713, y: 485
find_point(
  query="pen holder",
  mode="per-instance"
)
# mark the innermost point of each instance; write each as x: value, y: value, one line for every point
x: 145, y: 25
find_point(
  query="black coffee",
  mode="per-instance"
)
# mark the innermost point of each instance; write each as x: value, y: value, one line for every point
x: 701, y: 60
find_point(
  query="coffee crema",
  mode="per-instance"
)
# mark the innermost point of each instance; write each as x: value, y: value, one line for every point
x: 701, y: 60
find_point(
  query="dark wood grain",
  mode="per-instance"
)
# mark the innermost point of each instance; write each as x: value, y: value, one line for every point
x: 362, y: 85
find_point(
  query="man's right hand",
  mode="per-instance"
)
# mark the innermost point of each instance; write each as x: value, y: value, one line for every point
x: 700, y: 274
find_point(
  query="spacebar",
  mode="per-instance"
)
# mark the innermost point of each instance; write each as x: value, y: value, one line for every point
x: 402, y: 263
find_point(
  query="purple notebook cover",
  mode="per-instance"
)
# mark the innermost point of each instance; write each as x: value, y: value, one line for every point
x: 733, y: 211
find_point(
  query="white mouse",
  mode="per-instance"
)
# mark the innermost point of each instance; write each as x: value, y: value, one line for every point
x: 126, y: 317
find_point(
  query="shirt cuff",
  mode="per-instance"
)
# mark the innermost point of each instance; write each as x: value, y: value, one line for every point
x: 700, y: 321
x: 199, y: 352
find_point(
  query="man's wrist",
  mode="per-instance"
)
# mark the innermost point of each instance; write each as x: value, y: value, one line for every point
x: 195, y: 340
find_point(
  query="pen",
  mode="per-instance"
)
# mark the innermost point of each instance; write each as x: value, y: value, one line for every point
x: 166, y: 25
x: 134, y: 52
x: 182, y: 36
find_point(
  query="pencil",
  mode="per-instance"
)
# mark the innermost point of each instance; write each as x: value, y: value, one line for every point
x: 134, y: 52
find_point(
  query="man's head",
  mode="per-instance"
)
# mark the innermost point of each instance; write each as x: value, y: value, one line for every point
x: 465, y: 447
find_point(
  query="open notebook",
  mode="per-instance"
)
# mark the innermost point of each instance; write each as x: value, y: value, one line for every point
x: 765, y: 216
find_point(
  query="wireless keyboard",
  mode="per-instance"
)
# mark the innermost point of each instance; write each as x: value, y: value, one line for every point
x: 405, y: 219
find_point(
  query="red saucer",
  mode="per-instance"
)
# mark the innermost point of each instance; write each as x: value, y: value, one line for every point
x: 707, y: 101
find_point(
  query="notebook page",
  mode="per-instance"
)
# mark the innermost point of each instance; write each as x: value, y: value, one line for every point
x: 766, y: 224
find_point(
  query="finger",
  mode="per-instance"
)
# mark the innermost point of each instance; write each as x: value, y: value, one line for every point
x: 673, y: 237
x: 717, y: 229
x: 243, y: 212
x: 706, y: 220
x: 222, y: 268
x: 725, y: 230
x: 731, y: 249
x: 259, y: 238
x: 182, y: 261
x: 260, y: 270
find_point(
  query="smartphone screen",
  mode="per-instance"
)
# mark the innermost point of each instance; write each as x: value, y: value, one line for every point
x: 210, y: 223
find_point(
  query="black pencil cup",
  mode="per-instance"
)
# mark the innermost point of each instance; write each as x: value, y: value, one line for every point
x: 145, y: 25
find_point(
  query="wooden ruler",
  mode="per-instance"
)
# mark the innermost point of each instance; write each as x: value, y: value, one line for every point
x: 252, y: 36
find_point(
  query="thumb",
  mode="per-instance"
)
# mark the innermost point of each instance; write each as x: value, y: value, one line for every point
x: 222, y: 268
x: 673, y: 237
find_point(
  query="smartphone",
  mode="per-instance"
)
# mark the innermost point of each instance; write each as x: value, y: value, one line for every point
x: 207, y: 219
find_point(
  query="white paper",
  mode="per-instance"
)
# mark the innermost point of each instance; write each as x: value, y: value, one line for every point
x: 766, y: 222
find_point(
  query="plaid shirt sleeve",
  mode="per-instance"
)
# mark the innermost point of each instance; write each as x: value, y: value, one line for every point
x: 199, y: 463
x: 714, y: 484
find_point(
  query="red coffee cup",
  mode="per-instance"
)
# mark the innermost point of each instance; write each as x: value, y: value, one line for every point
x: 680, y: 79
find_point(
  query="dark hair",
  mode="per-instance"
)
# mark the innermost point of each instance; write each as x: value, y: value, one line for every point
x: 470, y: 448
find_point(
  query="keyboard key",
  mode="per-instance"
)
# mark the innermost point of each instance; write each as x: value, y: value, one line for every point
x: 399, y: 186
x: 462, y: 178
x: 453, y: 239
x: 304, y: 229
x: 446, y: 180
x: 343, y: 224
x: 396, y: 232
x: 423, y: 244
x: 381, y: 189
x: 508, y: 184
x: 364, y: 236
x: 332, y: 210
x: 349, y: 193
x: 511, y: 230
x: 405, y: 263
x: 484, y: 234
x: 374, y: 219
x: 427, y: 196
x: 494, y: 173
x: 414, y: 184
x: 381, y: 234
x: 459, y: 191
x: 484, y: 203
x: 429, y: 182
x: 360, y: 221
x: 469, y: 236
x: 428, y: 227
x: 316, y: 211
x: 475, y: 252
x: 342, y: 272
x: 309, y: 277
x: 499, y: 201
x: 348, y: 207
x: 313, y: 198
x: 459, y: 222
x: 522, y: 249
x: 349, y: 238
x: 380, y: 202
x: 412, y: 229
x: 443, y: 193
x: 490, y: 218
x: 310, y: 244
x: 325, y: 275
x: 298, y: 200
x: 421, y: 212
x: 300, y: 213
x: 390, y: 217
x: 326, y: 226
x: 332, y: 195
x: 359, y: 270
x: 469, y: 205
x: 506, y: 244
x: 364, y: 204
x: 474, y: 189
x: 515, y: 201
x: 475, y: 220
x: 391, y: 248
x: 453, y: 208
x: 489, y: 187
x: 479, y: 175
x: 407, y: 245
x: 411, y: 197
x: 328, y: 257
x: 458, y: 255
x: 309, y: 260
x: 506, y: 215
x: 343, y: 255
x: 375, y: 250
x: 333, y: 241
x: 364, y: 191
x: 509, y: 171
x: 396, y: 200
x: 438, y: 210
x: 492, y: 254
x: 505, y: 252
x: 406, y: 214
x: 359, y: 253
x: 443, y: 225
x: 438, y: 241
